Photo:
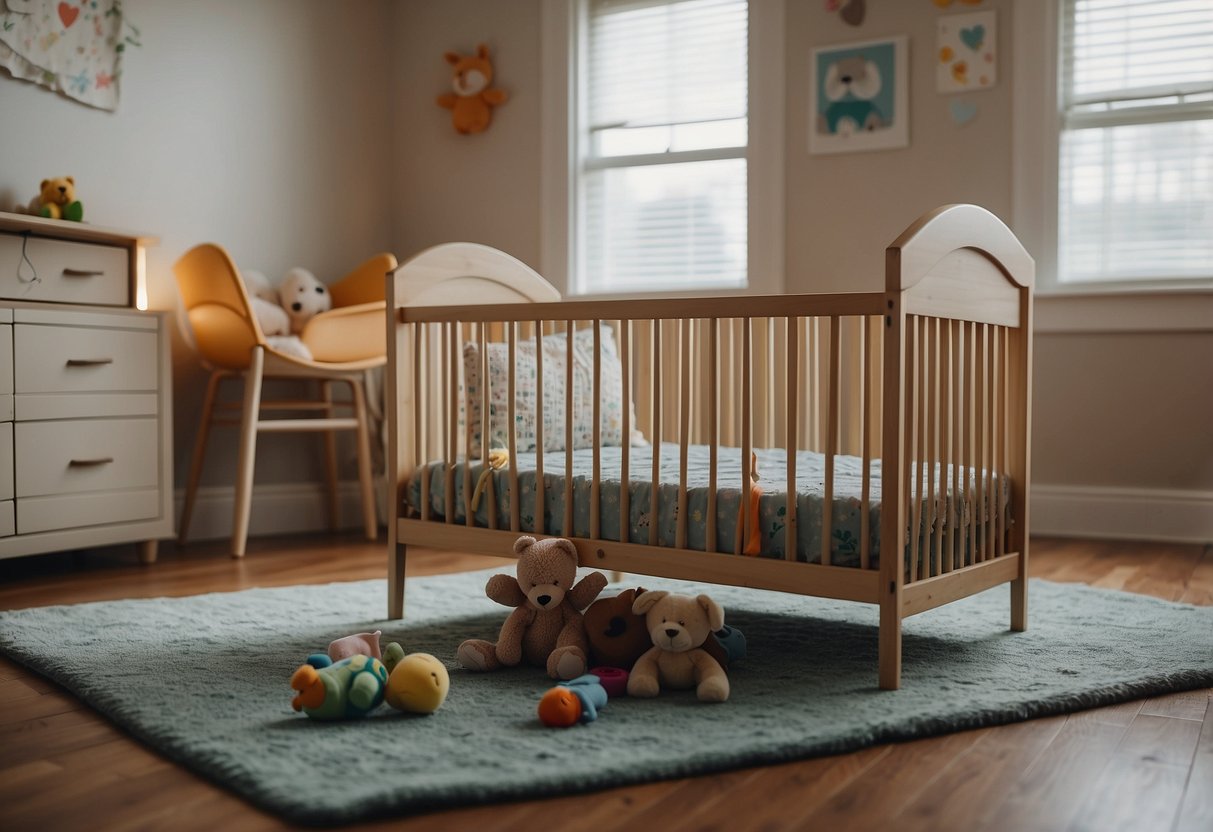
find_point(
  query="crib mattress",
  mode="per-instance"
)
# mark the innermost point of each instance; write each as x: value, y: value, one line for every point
x: 772, y: 467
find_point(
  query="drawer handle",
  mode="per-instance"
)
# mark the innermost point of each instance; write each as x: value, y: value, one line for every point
x: 88, y: 362
x: 84, y: 463
x: 82, y: 272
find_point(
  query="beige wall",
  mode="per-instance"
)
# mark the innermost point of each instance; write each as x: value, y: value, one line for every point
x: 263, y: 126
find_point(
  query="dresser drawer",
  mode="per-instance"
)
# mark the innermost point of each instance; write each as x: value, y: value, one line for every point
x: 85, y: 455
x: 6, y: 461
x: 60, y: 359
x: 66, y: 271
x: 94, y: 508
x: 8, y: 520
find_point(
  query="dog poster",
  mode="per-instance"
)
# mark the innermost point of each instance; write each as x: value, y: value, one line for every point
x: 859, y: 98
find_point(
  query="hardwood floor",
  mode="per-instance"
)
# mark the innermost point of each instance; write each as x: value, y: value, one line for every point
x: 1140, y: 766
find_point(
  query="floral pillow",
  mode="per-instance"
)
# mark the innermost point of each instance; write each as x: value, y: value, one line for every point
x: 555, y: 358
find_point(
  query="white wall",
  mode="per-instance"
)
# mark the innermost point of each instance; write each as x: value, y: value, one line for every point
x: 262, y: 126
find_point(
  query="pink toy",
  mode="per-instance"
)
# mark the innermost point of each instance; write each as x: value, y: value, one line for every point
x: 613, y: 679
x: 359, y: 644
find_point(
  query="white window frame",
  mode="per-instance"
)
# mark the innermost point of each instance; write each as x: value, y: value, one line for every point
x: 564, y: 29
x: 1105, y: 306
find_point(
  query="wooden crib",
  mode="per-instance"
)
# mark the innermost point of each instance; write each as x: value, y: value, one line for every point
x: 932, y: 377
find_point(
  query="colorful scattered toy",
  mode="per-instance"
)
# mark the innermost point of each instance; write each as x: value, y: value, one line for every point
x: 545, y: 629
x: 614, y: 680
x: 576, y: 700
x: 56, y: 200
x: 472, y: 102
x: 678, y: 626
x: 346, y: 689
x: 418, y: 683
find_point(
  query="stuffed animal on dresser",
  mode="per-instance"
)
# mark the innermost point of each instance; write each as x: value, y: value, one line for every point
x: 545, y: 629
x: 678, y: 626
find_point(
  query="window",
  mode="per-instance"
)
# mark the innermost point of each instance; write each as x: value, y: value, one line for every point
x: 664, y: 153
x: 1135, y: 170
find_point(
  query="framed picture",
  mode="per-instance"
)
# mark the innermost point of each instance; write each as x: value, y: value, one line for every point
x: 967, y: 48
x: 859, y: 96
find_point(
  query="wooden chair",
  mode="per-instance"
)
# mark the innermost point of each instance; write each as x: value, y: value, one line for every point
x: 345, y: 343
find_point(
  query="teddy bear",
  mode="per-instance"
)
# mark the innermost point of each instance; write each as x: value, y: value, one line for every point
x: 545, y: 629
x: 472, y: 101
x: 618, y: 637
x: 678, y: 626
x: 303, y: 297
x: 57, y: 200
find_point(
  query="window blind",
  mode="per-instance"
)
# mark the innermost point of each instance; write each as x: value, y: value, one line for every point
x: 663, y: 176
x: 1135, y: 172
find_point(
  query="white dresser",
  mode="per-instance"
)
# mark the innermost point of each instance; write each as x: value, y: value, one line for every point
x: 85, y: 392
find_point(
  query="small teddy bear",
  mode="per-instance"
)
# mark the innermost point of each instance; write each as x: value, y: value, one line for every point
x: 56, y: 200
x: 678, y: 626
x: 303, y: 297
x: 545, y: 629
x: 472, y: 101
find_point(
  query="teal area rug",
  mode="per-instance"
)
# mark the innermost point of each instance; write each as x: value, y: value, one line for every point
x: 204, y: 680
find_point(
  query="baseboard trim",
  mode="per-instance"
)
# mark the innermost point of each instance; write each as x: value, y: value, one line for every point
x: 277, y: 508
x: 1125, y: 513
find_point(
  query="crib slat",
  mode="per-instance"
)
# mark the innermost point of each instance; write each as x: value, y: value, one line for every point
x: 983, y: 345
x: 833, y: 358
x: 450, y: 354
x: 869, y: 354
x: 791, y: 537
x: 948, y: 533
x: 512, y: 428
x: 713, y: 437
x: 420, y: 449
x: 655, y: 479
x: 995, y: 403
x: 684, y: 368
x: 747, y: 440
x: 917, y: 433
x: 570, y: 330
x: 971, y: 442
x: 596, y: 407
x: 625, y: 480
x: 933, y: 463
x: 539, y: 518
x: 486, y: 430
x: 1005, y: 461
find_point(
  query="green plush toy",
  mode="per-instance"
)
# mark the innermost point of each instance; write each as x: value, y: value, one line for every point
x: 346, y: 689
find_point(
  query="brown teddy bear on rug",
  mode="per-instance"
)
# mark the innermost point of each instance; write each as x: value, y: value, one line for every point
x: 618, y: 636
x: 545, y: 629
x: 678, y: 626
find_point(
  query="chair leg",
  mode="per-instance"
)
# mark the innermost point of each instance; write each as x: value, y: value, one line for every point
x: 364, y: 462
x: 199, y: 457
x: 395, y: 580
x: 330, y: 457
x: 248, y: 451
x: 890, y: 641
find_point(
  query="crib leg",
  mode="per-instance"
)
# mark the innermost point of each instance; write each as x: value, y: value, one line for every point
x: 890, y: 643
x: 395, y: 581
x: 1019, y: 604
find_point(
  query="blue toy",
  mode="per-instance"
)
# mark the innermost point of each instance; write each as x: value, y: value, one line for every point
x: 576, y: 700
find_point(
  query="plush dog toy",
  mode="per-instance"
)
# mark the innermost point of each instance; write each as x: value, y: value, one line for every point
x: 263, y: 297
x: 545, y: 629
x: 678, y: 626
x: 303, y: 297
x: 472, y: 102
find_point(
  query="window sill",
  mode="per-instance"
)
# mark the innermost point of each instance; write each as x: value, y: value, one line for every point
x: 1112, y: 310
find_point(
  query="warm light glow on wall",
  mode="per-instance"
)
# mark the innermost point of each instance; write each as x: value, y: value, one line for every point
x: 140, y: 278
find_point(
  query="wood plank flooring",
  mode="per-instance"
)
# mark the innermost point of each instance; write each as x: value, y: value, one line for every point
x: 1141, y: 766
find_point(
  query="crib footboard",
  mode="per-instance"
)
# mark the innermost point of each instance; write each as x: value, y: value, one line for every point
x: 864, y: 446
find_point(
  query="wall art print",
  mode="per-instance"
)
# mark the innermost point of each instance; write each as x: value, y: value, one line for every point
x: 72, y: 47
x: 966, y: 52
x: 859, y: 96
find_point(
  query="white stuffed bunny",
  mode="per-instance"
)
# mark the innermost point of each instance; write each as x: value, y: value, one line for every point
x: 303, y: 297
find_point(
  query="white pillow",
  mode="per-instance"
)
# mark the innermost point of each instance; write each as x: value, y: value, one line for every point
x: 555, y: 357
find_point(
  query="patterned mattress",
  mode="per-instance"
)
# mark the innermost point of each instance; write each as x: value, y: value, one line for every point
x: 810, y: 478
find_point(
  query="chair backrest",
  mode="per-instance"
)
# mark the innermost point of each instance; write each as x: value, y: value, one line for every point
x: 365, y: 284
x: 225, y: 330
